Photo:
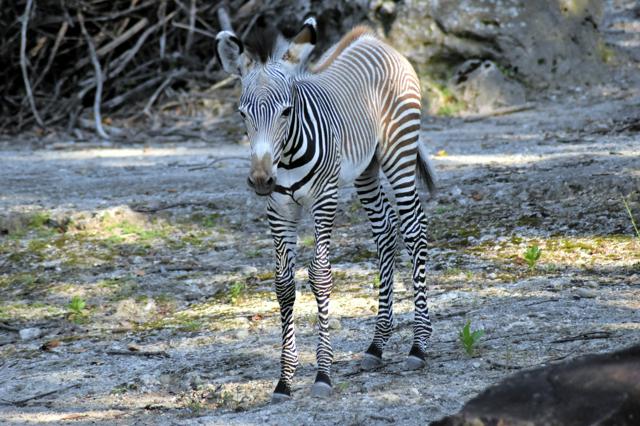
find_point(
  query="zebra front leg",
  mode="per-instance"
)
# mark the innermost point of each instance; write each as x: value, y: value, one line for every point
x: 383, y: 221
x: 283, y: 220
x: 324, y: 212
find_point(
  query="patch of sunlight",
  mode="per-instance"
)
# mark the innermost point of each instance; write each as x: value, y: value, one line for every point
x: 219, y: 315
x: 514, y: 159
x: 28, y: 311
x: 126, y: 154
x: 84, y: 290
x: 596, y: 251
x: 623, y: 326
x: 51, y: 416
x: 631, y: 301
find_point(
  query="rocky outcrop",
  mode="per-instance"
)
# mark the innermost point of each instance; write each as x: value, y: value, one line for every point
x: 599, y: 389
x: 484, y: 88
x: 541, y: 42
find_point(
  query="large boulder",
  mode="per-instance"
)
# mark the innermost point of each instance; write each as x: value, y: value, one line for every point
x: 601, y: 389
x: 484, y: 88
x: 541, y: 42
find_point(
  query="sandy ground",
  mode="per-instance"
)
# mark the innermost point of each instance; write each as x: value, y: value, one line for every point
x: 189, y: 285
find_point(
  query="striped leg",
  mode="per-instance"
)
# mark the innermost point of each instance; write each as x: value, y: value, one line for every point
x: 383, y: 221
x: 283, y: 219
x: 324, y: 212
x: 400, y: 168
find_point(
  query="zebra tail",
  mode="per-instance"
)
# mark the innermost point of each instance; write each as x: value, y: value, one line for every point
x: 426, y: 172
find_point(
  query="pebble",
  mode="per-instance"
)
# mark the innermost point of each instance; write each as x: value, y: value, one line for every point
x: 241, y: 334
x: 247, y: 270
x: 30, y: 333
x: 585, y: 293
x: 335, y: 324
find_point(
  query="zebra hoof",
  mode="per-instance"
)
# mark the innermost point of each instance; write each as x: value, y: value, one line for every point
x: 277, y: 398
x: 414, y: 363
x: 321, y: 390
x: 370, y: 362
x: 281, y: 393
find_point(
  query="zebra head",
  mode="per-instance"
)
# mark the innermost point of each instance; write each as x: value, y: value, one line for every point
x: 267, y: 102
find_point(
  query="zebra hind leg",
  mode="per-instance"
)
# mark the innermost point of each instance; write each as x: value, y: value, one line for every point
x: 324, y: 212
x: 400, y: 171
x: 382, y: 217
x: 283, y: 223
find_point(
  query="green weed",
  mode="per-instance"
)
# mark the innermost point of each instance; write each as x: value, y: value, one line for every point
x: 376, y: 281
x: 469, y: 339
x: 633, y: 221
x: 235, y: 292
x: 532, y: 255
x: 76, y: 307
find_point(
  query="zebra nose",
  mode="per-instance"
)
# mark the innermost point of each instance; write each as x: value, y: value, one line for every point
x: 262, y: 185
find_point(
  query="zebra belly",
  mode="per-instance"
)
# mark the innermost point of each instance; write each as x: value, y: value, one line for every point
x: 350, y: 170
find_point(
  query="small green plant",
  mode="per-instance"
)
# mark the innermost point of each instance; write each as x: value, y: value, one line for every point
x: 376, y: 281
x: 531, y: 255
x: 77, y: 305
x: 469, y: 339
x: 235, y: 292
x: 633, y: 221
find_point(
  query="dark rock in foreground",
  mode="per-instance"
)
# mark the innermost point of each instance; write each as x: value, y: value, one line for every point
x: 601, y: 389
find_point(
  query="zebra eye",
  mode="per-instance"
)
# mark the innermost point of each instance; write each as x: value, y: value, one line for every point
x: 242, y: 114
x: 286, y: 112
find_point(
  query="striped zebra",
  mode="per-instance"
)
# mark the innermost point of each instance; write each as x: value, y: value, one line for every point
x: 354, y: 113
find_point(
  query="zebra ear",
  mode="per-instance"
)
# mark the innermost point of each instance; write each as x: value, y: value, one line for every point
x: 230, y: 53
x: 302, y: 44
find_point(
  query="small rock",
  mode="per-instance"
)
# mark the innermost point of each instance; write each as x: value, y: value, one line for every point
x: 585, y: 293
x: 335, y: 324
x: 492, y: 276
x: 247, y: 269
x: 30, y: 333
x: 132, y: 311
x: 241, y: 334
x: 390, y: 398
x: 475, y: 364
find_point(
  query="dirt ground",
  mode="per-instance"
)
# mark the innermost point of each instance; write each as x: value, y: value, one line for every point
x: 171, y: 255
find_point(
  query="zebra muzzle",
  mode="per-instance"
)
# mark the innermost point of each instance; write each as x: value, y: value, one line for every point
x: 261, y: 178
x: 262, y: 185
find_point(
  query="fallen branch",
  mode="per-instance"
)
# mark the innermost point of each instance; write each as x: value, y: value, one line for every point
x: 7, y: 327
x: 23, y: 62
x: 148, y: 354
x: 499, y: 112
x: 217, y: 160
x: 98, y: 78
x: 503, y: 366
x: 591, y: 335
x: 539, y: 302
x: 141, y: 209
x: 23, y: 402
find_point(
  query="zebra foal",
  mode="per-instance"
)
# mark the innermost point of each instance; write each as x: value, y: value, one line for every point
x: 354, y: 113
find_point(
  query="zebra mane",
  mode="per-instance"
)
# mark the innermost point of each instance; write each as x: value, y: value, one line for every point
x: 265, y: 42
x: 347, y: 40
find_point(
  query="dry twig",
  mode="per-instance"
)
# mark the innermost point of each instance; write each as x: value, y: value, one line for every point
x: 98, y: 76
x: 23, y: 62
